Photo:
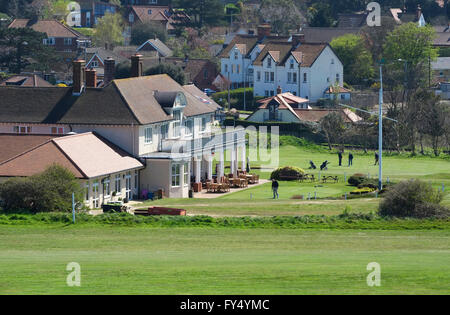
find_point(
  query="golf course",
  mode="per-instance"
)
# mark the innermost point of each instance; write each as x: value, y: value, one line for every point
x: 287, y: 246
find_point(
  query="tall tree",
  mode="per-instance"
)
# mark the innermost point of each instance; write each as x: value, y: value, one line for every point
x: 333, y: 126
x: 21, y: 47
x: 202, y: 12
x: 357, y: 60
x: 319, y: 15
x: 109, y: 30
x: 283, y: 15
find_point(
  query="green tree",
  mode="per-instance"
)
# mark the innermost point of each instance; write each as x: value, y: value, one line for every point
x: 171, y: 70
x: 22, y: 47
x: 283, y: 15
x: 109, y: 30
x: 142, y: 32
x: 48, y: 191
x: 357, y: 60
x: 319, y: 15
x: 202, y: 12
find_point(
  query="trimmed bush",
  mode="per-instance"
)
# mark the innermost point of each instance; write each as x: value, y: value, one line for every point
x: 413, y: 198
x: 287, y: 172
x: 356, y: 179
x: 363, y: 190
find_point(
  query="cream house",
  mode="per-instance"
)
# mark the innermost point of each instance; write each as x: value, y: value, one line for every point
x: 166, y: 126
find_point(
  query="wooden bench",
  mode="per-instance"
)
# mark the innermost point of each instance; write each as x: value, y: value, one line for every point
x: 334, y: 179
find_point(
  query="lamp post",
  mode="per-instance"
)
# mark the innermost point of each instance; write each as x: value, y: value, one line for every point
x: 380, y: 130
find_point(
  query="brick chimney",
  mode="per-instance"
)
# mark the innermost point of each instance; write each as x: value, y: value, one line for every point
x: 279, y: 90
x: 264, y: 30
x: 298, y: 39
x: 91, y: 78
x: 136, y: 66
x: 78, y: 76
x: 110, y: 70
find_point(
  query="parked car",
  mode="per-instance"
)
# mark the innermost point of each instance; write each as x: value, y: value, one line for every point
x: 209, y: 92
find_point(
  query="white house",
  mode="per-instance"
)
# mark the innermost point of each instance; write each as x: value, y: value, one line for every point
x: 304, y: 69
x: 237, y: 57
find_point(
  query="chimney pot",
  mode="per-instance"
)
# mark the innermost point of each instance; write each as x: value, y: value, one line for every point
x: 264, y: 30
x: 91, y: 78
x: 79, y: 76
x: 110, y: 70
x: 279, y: 90
x: 136, y: 66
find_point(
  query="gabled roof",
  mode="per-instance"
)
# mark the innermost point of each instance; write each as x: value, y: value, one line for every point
x: 152, y: 13
x: 246, y: 43
x: 86, y: 155
x: 26, y: 80
x: 14, y: 144
x: 103, y: 54
x: 123, y: 102
x: 52, y: 28
x: 287, y: 97
x: 159, y: 46
x: 279, y: 52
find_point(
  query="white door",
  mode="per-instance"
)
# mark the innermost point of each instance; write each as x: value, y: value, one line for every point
x: 128, y: 186
x: 95, y: 199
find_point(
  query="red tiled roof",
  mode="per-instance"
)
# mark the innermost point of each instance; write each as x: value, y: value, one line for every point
x: 85, y: 155
x: 315, y: 115
x: 52, y: 28
x: 14, y: 144
x: 26, y: 80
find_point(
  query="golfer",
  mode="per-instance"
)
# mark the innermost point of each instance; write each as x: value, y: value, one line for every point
x: 275, y: 189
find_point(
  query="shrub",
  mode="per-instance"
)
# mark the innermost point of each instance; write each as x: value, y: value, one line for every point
x: 413, y: 198
x: 48, y: 191
x: 356, y: 179
x: 369, y: 183
x: 362, y: 191
x: 287, y: 171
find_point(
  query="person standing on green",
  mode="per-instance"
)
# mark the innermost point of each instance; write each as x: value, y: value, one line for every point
x: 350, y: 159
x: 275, y: 189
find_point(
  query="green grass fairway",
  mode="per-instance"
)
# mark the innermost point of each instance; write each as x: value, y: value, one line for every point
x: 221, y: 261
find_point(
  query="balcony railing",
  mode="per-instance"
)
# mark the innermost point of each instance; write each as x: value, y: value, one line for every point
x: 204, y: 141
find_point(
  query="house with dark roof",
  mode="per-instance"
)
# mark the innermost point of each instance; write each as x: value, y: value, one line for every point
x: 168, y: 127
x: 162, y: 15
x: 304, y: 69
x: 155, y: 45
x: 59, y: 36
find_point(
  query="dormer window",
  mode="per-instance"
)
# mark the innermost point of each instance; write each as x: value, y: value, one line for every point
x: 269, y: 63
x: 291, y: 65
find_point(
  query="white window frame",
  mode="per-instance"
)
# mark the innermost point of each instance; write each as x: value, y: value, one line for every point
x: 175, y: 174
x: 148, y: 135
x: 186, y: 174
x: 95, y: 194
x: 118, y: 185
x: 106, y: 184
x: 67, y: 41
x: 20, y: 129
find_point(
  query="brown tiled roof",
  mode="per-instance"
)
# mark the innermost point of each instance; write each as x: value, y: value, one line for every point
x: 158, y: 13
x: 14, y: 144
x: 26, y: 80
x: 315, y: 115
x: 288, y: 97
x: 352, y: 19
x: 52, y: 28
x: 246, y: 43
x: 310, y: 52
x: 279, y: 52
x: 341, y: 89
x: 86, y: 156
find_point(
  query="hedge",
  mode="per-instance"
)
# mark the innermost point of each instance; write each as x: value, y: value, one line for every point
x: 237, y: 99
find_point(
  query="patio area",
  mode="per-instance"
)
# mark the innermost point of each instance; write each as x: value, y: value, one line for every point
x: 208, y: 195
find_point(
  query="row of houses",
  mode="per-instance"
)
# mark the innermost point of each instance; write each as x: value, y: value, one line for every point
x: 266, y: 62
x: 144, y: 133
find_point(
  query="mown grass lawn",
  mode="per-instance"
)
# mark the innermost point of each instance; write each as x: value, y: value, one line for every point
x: 137, y: 260
x: 258, y: 200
